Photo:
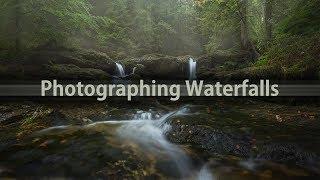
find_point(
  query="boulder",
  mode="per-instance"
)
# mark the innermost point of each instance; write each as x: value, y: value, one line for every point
x: 81, y: 58
x: 159, y: 67
x: 71, y: 71
x: 59, y: 64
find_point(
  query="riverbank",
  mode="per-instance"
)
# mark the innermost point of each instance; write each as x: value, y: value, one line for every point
x: 248, y: 138
x: 80, y: 64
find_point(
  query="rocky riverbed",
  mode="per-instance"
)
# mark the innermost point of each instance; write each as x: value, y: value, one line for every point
x: 239, y: 139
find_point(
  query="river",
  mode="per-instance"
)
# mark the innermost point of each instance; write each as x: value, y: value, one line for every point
x: 188, y: 142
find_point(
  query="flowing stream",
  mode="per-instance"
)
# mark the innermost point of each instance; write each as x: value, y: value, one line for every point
x: 148, y: 130
x: 150, y: 134
x: 128, y: 143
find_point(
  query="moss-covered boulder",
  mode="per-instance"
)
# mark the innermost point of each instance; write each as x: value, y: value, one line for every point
x: 71, y: 71
x: 60, y: 64
x: 157, y: 66
x: 81, y: 58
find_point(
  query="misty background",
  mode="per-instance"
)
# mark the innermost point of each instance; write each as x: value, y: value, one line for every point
x: 138, y: 27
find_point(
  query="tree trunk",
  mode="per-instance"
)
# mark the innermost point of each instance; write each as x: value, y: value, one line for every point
x: 18, y: 26
x: 268, y: 19
x: 244, y: 32
x: 244, y: 24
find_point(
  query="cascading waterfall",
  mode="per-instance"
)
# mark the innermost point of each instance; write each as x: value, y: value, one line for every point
x: 192, y: 69
x: 120, y: 69
x: 148, y: 130
x: 149, y: 133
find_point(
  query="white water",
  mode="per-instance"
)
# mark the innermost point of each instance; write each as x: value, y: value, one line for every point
x: 148, y: 130
x: 120, y: 69
x: 192, y: 69
x: 150, y: 133
x: 205, y: 174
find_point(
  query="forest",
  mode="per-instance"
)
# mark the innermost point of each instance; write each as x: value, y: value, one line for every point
x: 272, y: 38
x: 159, y: 42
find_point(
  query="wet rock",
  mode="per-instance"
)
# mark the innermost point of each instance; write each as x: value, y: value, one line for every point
x: 81, y: 58
x: 87, y: 120
x: 60, y: 64
x: 215, y: 60
x: 10, y: 118
x: 159, y: 67
x: 56, y: 118
x: 71, y: 71
x: 211, y: 66
x: 210, y: 140
x: 83, y: 153
x: 139, y: 68
x: 287, y: 153
x: 13, y: 113
x: 53, y: 159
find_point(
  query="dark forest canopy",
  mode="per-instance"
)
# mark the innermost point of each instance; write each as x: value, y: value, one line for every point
x: 138, y: 27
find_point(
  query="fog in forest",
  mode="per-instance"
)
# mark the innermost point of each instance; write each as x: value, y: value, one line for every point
x: 136, y: 27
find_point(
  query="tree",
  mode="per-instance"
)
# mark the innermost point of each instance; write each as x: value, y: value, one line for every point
x: 18, y: 14
x: 244, y: 36
x: 37, y: 22
x: 246, y: 42
x: 268, y: 19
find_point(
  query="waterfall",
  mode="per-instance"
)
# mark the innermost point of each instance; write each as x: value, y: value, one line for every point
x: 192, y: 69
x: 120, y: 70
x: 149, y: 133
x: 147, y: 129
x: 205, y: 174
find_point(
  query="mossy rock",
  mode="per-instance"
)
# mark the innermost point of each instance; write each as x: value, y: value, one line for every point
x: 220, y: 58
x: 44, y: 63
x: 81, y: 58
x: 296, y: 55
x: 253, y: 73
x: 158, y: 66
x: 71, y: 71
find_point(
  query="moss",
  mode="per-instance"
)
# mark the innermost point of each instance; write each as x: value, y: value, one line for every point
x: 294, y: 57
x: 92, y: 57
x: 304, y: 19
x: 263, y: 61
x: 71, y: 71
x: 295, y: 49
x: 252, y: 73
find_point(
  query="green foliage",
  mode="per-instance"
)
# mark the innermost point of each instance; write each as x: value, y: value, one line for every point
x: 132, y: 27
x: 304, y: 19
x: 136, y: 27
x: 43, y: 21
x: 295, y: 48
x: 256, y: 22
x: 297, y: 56
x: 280, y: 10
x: 263, y: 61
x: 219, y: 22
